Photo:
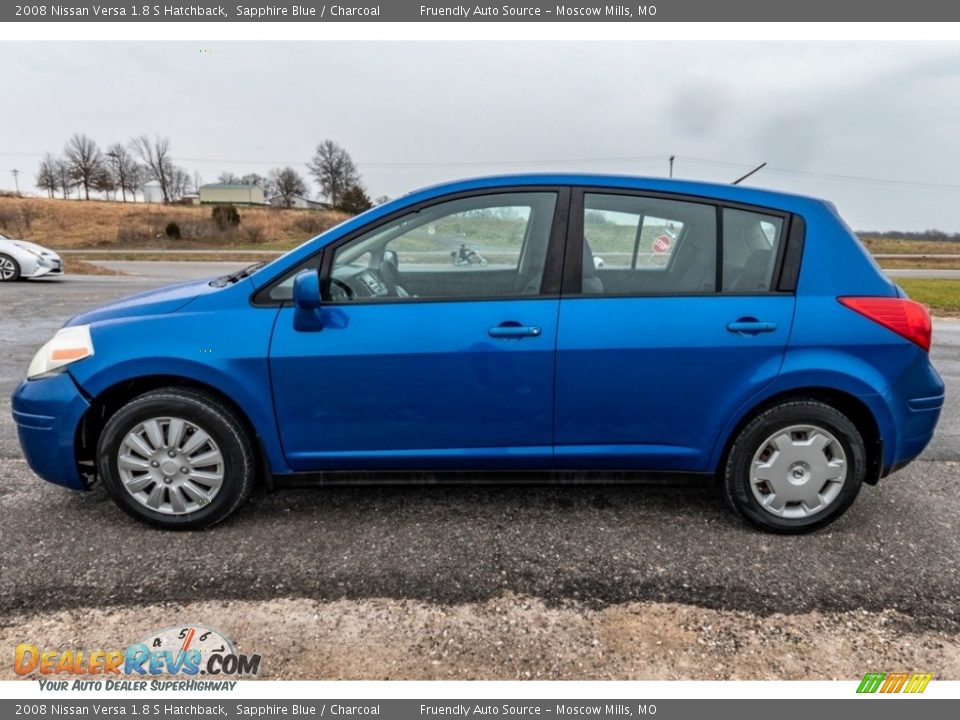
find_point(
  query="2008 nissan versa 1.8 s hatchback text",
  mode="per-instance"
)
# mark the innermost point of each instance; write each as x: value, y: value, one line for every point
x: 541, y: 326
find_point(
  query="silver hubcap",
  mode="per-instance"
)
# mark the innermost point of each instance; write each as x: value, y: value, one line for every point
x: 170, y: 465
x: 798, y: 471
x: 7, y: 268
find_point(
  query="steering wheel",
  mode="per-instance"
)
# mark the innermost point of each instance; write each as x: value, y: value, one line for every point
x: 345, y: 289
x: 389, y: 274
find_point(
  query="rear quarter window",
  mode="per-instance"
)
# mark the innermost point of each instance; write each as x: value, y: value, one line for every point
x: 751, y: 246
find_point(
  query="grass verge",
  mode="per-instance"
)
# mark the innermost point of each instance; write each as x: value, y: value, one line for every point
x: 82, y: 267
x: 942, y: 296
x: 212, y: 256
x: 928, y: 263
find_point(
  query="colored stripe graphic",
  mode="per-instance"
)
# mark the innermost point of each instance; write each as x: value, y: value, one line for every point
x: 894, y: 682
x: 918, y: 682
x: 871, y: 682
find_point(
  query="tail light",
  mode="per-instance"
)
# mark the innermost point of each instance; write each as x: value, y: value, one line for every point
x: 904, y: 316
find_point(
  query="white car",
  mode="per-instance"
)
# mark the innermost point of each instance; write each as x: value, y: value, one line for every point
x: 22, y: 259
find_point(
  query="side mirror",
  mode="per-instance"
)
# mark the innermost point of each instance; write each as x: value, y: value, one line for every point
x: 306, y: 290
x: 306, y: 299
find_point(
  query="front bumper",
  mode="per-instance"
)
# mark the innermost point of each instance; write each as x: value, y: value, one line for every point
x: 45, y: 267
x: 47, y: 413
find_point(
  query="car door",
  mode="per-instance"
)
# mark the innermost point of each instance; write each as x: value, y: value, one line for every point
x: 664, y: 331
x: 436, y: 344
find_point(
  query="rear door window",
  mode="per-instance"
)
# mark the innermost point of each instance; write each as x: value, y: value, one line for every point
x: 635, y: 245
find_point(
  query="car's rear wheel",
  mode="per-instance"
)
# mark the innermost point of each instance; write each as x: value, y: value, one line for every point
x: 9, y: 269
x: 176, y: 458
x: 795, y: 467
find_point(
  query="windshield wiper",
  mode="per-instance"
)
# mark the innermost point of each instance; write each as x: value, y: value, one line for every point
x: 238, y: 275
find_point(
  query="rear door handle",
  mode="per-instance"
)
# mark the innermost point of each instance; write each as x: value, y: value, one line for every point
x: 751, y: 327
x: 514, y: 331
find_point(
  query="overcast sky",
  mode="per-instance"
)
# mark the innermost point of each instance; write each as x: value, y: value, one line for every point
x: 885, y: 117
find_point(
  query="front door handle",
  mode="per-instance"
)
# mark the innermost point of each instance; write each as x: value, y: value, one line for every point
x: 751, y: 326
x: 510, y: 330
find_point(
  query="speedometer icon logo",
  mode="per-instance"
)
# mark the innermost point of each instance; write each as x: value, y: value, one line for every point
x: 181, y: 639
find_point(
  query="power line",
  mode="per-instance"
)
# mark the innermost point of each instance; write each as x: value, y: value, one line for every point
x: 829, y: 176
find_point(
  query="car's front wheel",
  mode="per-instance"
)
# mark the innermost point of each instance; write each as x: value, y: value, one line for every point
x: 9, y: 268
x: 795, y: 467
x: 176, y: 458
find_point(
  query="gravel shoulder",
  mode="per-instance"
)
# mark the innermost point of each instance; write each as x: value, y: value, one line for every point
x: 516, y: 638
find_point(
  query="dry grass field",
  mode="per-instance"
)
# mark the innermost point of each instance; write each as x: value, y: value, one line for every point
x: 62, y: 224
x: 881, y: 246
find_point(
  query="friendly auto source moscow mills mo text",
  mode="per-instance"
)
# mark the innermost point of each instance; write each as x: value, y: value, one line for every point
x: 467, y: 11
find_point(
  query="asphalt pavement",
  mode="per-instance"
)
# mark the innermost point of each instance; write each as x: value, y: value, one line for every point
x: 897, y: 548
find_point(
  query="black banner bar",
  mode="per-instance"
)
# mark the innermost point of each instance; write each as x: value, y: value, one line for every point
x: 513, y: 11
x: 633, y: 709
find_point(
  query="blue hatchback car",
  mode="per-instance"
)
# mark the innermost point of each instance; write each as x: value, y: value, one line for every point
x: 558, y: 327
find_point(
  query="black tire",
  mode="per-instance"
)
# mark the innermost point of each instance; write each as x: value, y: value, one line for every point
x: 16, y: 269
x: 736, y: 472
x: 206, y: 412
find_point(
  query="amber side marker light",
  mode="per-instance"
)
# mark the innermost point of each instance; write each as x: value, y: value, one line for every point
x: 906, y: 317
x: 70, y: 354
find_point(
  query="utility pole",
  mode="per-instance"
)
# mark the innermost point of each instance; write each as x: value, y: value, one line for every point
x: 123, y: 189
x: 671, y: 164
x: 16, y: 180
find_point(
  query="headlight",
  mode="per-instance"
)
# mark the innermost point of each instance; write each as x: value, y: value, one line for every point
x: 32, y: 252
x: 67, y: 346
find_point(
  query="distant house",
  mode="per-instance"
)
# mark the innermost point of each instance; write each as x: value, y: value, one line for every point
x: 231, y: 194
x: 152, y: 192
x: 297, y: 201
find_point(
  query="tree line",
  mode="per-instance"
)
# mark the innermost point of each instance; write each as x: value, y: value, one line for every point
x: 125, y: 168
x: 933, y: 234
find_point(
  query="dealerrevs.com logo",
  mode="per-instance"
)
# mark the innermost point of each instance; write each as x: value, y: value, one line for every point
x: 185, y: 650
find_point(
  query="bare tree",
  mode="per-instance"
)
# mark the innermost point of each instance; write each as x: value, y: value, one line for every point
x: 228, y: 178
x: 65, y: 180
x: 264, y: 183
x: 179, y: 182
x: 288, y: 183
x: 123, y: 169
x: 104, y: 182
x: 47, y: 175
x: 156, y: 159
x: 334, y: 170
x: 86, y: 161
x: 136, y: 180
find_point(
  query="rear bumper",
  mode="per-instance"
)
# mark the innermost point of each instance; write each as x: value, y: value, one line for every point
x: 915, y: 400
x: 47, y: 413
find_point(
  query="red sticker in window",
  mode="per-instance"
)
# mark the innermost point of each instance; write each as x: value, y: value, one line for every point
x: 661, y: 244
